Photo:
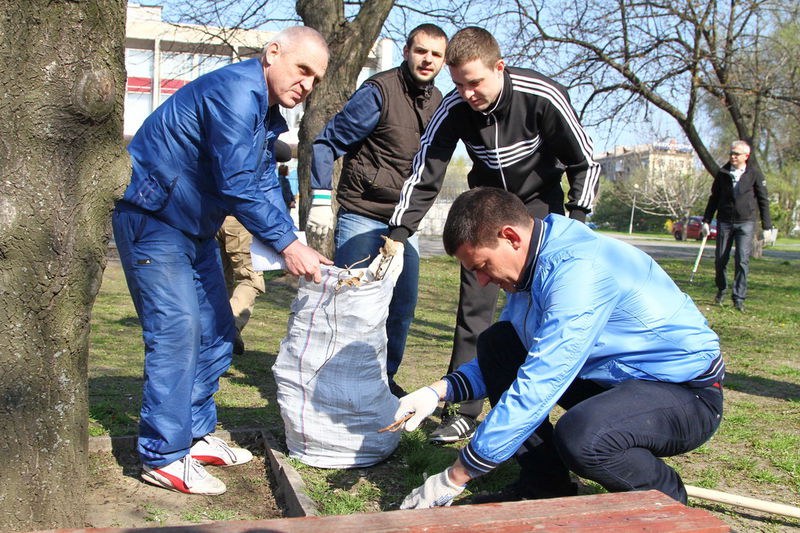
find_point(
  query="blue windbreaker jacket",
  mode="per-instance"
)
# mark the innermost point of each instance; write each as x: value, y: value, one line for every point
x: 594, y: 308
x: 204, y: 152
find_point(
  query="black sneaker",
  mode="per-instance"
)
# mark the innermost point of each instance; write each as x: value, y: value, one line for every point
x: 454, y: 428
x: 719, y: 297
x: 520, y: 490
x: 396, y: 390
x: 738, y: 305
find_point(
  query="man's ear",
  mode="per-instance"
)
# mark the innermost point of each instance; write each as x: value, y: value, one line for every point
x: 510, y: 234
x: 273, y: 50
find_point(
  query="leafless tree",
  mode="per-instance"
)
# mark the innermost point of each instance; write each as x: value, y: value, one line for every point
x: 625, y: 56
x: 351, y: 29
x: 669, y: 194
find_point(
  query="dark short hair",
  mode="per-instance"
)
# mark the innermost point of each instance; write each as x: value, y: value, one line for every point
x: 472, y: 43
x: 431, y: 30
x: 477, y: 216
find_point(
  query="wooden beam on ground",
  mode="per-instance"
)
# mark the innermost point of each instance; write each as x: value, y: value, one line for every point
x: 649, y: 511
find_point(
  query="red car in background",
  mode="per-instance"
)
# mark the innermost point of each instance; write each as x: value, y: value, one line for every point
x: 693, y: 229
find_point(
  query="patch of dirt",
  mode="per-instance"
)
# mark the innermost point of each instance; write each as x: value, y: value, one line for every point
x: 117, y: 496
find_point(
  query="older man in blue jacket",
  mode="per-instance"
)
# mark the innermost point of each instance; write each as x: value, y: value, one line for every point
x: 592, y: 324
x: 199, y: 157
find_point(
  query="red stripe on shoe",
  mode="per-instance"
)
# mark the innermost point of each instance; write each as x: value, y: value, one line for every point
x: 177, y: 483
x: 210, y: 460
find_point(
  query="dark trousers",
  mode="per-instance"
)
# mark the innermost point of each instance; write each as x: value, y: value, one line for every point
x: 728, y: 234
x: 613, y: 436
x: 477, y: 305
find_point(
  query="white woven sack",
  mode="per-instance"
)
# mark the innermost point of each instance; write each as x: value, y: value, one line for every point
x: 331, y: 374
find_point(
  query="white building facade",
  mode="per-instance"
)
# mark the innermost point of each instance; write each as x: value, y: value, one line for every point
x: 162, y: 57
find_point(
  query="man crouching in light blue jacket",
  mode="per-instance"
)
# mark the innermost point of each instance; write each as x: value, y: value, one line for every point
x: 198, y: 158
x: 591, y: 324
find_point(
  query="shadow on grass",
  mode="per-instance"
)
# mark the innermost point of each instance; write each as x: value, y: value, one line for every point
x: 128, y: 322
x: 115, y: 401
x: 769, y: 388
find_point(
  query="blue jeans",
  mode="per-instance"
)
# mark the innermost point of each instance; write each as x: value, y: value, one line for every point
x: 178, y: 290
x: 728, y: 234
x: 357, y: 237
x: 613, y: 436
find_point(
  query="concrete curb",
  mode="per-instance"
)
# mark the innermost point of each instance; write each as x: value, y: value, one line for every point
x: 290, y: 485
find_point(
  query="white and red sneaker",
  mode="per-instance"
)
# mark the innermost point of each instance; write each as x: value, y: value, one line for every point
x: 184, y: 475
x: 215, y: 452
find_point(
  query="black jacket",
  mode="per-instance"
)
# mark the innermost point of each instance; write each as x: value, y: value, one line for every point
x: 738, y: 204
x: 522, y: 144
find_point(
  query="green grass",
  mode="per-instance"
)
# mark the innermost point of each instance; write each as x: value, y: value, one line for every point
x: 652, y: 235
x: 204, y: 514
x: 155, y: 514
x: 756, y: 451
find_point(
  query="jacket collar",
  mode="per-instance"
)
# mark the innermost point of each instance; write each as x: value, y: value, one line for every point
x: 537, y: 235
x: 411, y: 86
x: 504, y: 100
x: 728, y: 168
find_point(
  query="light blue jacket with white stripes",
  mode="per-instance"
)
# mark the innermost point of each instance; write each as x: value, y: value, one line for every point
x: 590, y: 307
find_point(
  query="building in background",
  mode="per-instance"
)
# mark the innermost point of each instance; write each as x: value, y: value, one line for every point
x: 162, y: 57
x: 651, y: 160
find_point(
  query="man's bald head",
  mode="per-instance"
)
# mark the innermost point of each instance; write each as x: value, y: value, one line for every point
x: 289, y: 38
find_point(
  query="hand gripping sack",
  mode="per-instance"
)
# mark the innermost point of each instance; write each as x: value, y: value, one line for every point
x: 331, y: 373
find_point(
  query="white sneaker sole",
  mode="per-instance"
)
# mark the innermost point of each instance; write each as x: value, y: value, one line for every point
x: 159, y: 480
x: 448, y: 439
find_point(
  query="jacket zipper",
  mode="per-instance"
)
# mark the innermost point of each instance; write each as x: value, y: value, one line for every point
x: 497, y: 149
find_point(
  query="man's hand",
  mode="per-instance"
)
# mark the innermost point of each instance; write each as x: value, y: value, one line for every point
x: 320, y: 220
x: 437, y: 491
x: 320, y: 216
x: 304, y: 261
x: 422, y: 402
x: 705, y: 230
x: 389, y: 262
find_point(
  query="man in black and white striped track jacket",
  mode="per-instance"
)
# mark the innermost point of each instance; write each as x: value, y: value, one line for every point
x: 521, y: 133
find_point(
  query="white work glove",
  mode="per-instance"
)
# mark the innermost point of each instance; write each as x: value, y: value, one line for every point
x: 770, y: 236
x: 422, y: 402
x: 389, y: 262
x: 320, y: 216
x: 437, y: 491
x: 705, y: 230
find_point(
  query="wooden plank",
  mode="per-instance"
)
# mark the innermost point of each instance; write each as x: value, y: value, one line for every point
x: 649, y: 511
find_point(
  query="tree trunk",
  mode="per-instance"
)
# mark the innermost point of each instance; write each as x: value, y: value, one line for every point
x: 62, y: 161
x: 349, y: 43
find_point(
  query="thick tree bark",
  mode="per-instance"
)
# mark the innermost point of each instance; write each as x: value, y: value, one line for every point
x: 349, y: 43
x: 62, y: 162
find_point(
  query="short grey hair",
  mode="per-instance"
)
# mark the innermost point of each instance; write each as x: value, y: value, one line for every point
x: 740, y: 144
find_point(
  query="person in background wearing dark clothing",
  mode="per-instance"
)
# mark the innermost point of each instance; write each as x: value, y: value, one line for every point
x: 286, y: 187
x: 738, y: 195
x: 521, y: 132
x: 628, y: 356
x: 378, y: 132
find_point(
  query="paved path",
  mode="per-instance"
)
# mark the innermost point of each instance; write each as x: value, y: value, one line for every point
x: 657, y: 248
